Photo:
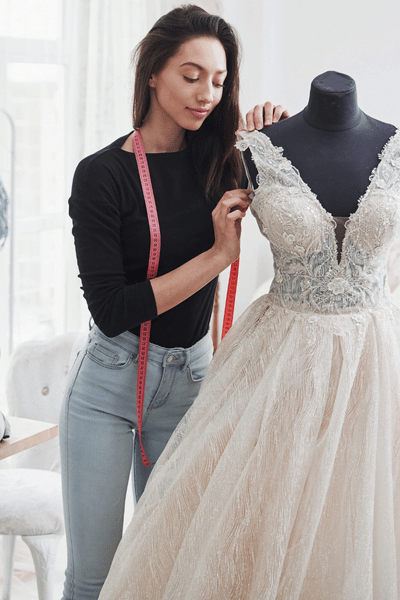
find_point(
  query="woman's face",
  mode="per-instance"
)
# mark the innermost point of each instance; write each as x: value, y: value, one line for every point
x: 190, y: 85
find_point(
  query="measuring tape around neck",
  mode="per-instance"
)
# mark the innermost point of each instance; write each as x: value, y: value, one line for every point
x: 154, y: 258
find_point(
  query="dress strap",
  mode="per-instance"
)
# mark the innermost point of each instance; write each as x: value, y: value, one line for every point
x: 387, y: 174
x: 271, y: 165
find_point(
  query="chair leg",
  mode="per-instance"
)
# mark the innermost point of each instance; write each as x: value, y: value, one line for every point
x: 8, y: 549
x: 44, y: 551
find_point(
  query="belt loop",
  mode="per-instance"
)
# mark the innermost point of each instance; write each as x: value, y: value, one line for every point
x: 91, y: 334
x: 165, y: 359
x: 187, y: 352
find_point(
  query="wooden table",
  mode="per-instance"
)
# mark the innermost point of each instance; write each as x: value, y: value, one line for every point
x: 26, y: 433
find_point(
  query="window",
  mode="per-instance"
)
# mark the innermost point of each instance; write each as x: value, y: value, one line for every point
x: 65, y: 90
x: 32, y: 76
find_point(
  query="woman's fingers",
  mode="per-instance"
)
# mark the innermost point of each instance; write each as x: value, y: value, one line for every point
x: 235, y: 198
x: 229, y: 213
x: 232, y: 209
x: 227, y: 218
x: 265, y: 114
x: 279, y: 113
x: 236, y: 213
x: 254, y: 118
x: 274, y: 113
x: 268, y: 113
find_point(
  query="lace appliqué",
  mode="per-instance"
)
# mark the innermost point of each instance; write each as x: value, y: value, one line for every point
x: 308, y: 275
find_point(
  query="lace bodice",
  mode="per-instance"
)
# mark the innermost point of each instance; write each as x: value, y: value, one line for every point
x: 309, y: 274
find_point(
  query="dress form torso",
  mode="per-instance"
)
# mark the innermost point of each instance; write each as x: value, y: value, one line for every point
x: 333, y: 144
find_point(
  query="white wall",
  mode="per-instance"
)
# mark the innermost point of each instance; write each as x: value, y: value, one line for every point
x: 286, y: 43
x: 360, y: 38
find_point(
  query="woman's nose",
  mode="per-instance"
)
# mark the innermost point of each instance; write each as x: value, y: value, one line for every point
x: 206, y: 92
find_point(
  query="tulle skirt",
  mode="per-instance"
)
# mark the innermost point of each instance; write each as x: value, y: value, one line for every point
x: 282, y: 481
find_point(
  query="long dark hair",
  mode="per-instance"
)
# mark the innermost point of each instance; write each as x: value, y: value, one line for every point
x: 216, y: 159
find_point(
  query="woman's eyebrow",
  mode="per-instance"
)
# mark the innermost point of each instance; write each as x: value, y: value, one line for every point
x: 192, y: 64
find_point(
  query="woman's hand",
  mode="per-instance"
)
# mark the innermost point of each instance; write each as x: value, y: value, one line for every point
x: 227, y: 217
x: 265, y: 114
x: 174, y: 287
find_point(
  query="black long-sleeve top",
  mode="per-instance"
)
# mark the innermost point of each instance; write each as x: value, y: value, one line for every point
x: 112, y: 240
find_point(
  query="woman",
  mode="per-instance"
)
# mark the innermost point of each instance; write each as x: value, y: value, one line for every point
x: 186, y: 107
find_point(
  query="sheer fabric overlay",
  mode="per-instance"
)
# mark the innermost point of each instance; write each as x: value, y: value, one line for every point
x: 282, y: 481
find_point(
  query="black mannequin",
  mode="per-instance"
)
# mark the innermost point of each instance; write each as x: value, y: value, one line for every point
x: 333, y: 144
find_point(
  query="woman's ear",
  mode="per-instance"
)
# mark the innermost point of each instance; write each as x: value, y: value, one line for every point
x: 152, y: 81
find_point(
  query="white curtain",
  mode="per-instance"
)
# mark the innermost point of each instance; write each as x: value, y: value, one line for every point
x: 101, y: 35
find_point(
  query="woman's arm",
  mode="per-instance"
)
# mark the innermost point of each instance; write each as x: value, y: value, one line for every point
x: 174, y: 287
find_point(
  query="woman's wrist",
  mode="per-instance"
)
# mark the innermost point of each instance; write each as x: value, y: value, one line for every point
x: 174, y: 287
x: 218, y: 259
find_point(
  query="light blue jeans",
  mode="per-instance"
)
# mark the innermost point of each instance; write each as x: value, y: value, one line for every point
x: 97, y: 425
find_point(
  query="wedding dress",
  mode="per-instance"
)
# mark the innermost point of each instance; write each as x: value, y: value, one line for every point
x: 282, y: 481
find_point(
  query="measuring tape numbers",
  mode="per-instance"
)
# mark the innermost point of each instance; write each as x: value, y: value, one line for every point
x: 230, y: 298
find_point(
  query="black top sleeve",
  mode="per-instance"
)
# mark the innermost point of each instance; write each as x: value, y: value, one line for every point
x: 115, y: 305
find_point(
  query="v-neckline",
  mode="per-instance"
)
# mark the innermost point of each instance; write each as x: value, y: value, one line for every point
x: 382, y: 155
x: 314, y: 198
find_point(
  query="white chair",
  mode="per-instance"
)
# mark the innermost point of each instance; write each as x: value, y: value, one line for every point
x: 30, y: 493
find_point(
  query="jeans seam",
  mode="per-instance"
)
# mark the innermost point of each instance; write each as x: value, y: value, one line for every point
x: 67, y: 495
x: 68, y: 524
x: 149, y: 408
x: 135, y: 477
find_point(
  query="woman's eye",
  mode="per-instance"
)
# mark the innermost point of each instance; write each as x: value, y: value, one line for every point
x: 189, y: 79
x: 219, y: 85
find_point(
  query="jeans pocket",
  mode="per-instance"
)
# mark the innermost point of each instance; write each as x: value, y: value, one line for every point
x: 109, y: 355
x: 198, y: 368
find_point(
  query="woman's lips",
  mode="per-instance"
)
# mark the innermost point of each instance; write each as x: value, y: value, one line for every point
x: 198, y: 112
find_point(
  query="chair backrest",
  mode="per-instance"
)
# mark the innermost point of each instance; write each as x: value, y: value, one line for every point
x: 36, y: 381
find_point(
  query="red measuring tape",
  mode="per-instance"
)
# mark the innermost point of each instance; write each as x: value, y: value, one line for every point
x: 230, y: 298
x: 154, y: 257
